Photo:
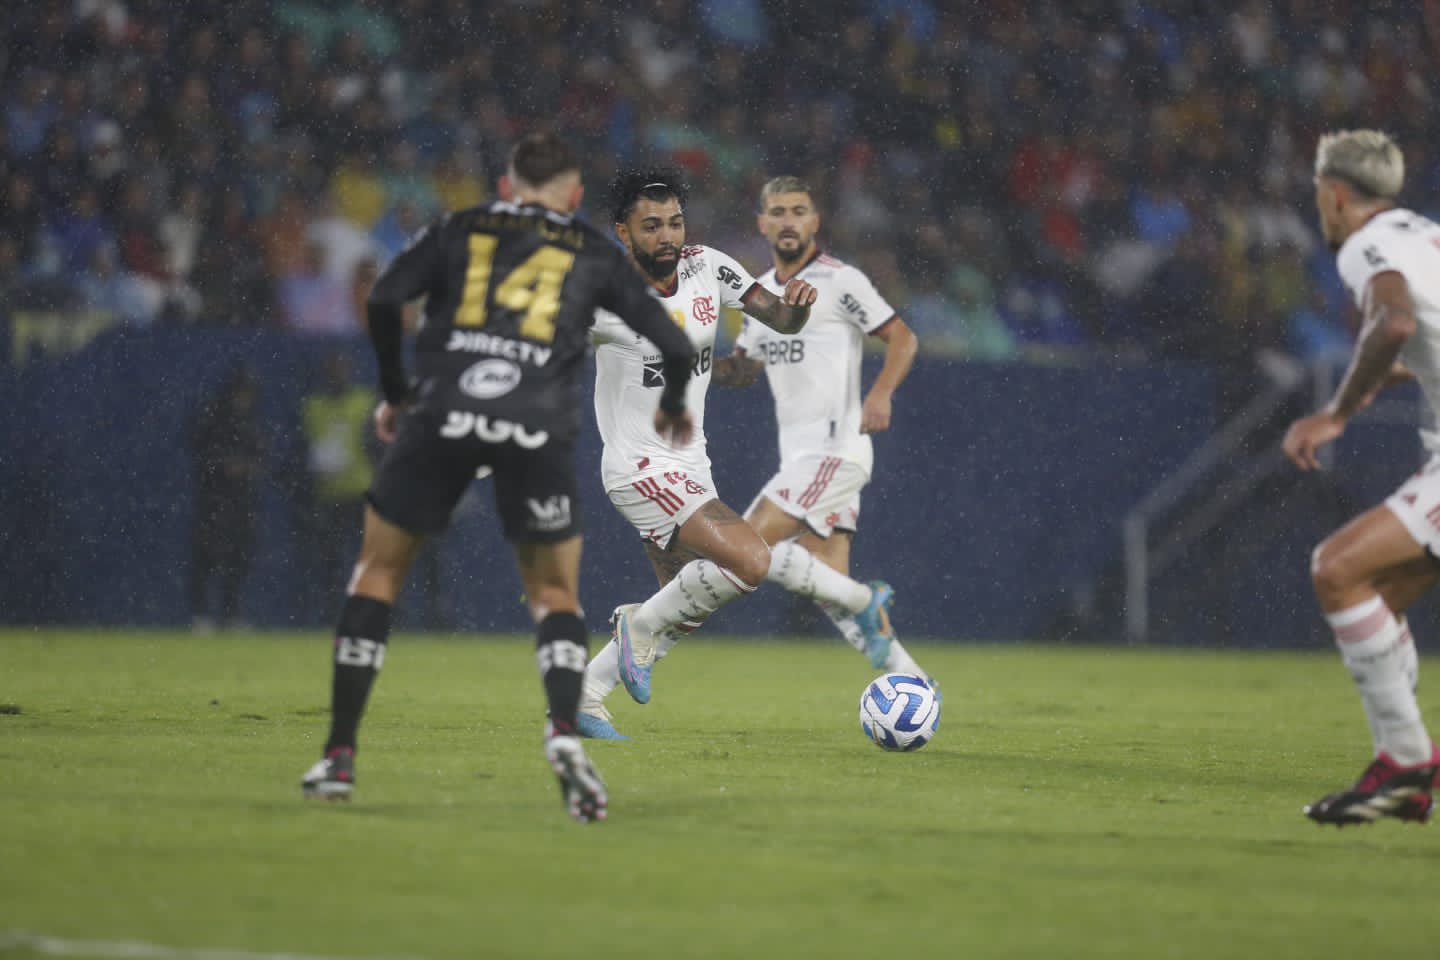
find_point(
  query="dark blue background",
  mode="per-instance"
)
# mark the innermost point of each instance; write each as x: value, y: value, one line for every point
x: 995, y: 507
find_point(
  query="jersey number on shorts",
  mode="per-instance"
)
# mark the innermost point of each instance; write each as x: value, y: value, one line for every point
x: 532, y: 287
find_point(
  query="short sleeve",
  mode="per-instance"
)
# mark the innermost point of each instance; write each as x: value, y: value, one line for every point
x: 861, y: 304
x: 1360, y: 259
x: 734, y: 280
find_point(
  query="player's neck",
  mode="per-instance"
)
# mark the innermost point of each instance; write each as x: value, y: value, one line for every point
x: 785, y: 270
x: 665, y: 287
x: 541, y: 198
x: 1363, y: 215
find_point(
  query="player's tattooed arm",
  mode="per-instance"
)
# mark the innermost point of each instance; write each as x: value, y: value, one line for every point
x: 1389, y: 323
x: 787, y: 313
x: 736, y: 370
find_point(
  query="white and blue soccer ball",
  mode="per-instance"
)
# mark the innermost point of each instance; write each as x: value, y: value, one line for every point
x: 899, y: 711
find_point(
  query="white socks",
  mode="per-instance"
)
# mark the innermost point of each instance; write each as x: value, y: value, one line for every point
x: 1380, y: 656
x: 797, y: 570
x: 698, y: 590
x: 898, y: 660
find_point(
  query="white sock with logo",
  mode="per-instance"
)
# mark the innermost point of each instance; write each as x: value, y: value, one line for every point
x: 1376, y: 651
x: 797, y: 570
x: 698, y: 590
x: 602, y: 675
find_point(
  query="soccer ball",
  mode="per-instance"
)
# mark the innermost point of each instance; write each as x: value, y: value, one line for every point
x: 899, y: 712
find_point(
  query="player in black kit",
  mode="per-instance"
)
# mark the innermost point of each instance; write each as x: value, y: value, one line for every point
x: 511, y: 288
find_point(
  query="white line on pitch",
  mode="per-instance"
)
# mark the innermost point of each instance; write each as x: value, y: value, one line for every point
x: 139, y: 950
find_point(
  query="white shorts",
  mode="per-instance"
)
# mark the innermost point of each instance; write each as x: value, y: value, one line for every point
x: 1417, y: 504
x: 658, y: 504
x: 823, y: 492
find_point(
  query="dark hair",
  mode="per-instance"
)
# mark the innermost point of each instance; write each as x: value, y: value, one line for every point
x: 652, y: 183
x: 541, y: 157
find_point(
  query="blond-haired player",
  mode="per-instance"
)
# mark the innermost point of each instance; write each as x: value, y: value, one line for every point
x: 1369, y: 571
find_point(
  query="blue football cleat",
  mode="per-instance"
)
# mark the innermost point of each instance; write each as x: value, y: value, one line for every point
x: 875, y: 623
x: 637, y: 653
x: 597, y: 725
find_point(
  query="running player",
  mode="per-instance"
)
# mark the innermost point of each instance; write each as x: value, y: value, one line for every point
x: 703, y: 553
x: 1369, y: 571
x: 512, y: 288
x: 809, y: 509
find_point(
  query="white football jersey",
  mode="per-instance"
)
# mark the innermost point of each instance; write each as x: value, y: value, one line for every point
x: 1403, y: 241
x: 815, y: 374
x: 629, y: 372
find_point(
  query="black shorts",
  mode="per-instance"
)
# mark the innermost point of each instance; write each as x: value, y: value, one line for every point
x: 433, y: 460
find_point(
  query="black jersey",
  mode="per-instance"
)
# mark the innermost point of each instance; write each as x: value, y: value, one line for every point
x: 511, y: 293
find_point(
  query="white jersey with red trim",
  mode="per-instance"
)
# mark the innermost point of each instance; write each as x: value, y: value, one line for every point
x: 629, y: 371
x: 1409, y: 244
x: 815, y: 374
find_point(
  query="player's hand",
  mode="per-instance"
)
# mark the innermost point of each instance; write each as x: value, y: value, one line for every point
x: 386, y: 417
x: 798, y: 293
x: 675, y: 428
x: 1308, y: 434
x: 875, y: 413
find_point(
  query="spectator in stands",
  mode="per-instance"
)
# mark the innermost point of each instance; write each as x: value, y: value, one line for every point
x: 313, y: 302
x: 227, y: 451
x: 336, y: 422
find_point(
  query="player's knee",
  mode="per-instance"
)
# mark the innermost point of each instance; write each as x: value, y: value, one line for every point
x: 1331, y: 572
x: 551, y: 598
x: 753, y: 565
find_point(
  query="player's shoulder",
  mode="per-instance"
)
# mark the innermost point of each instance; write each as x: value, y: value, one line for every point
x: 1368, y: 249
x: 826, y: 267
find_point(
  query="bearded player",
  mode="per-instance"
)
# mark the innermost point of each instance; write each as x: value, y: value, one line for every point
x: 810, y: 508
x: 703, y: 553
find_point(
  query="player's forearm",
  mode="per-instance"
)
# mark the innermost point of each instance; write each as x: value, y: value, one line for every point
x: 1374, y: 363
x: 900, y: 350
x: 386, y: 325
x: 778, y: 315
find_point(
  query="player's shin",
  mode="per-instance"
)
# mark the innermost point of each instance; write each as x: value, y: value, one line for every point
x: 698, y: 590
x: 560, y: 649
x: 360, y: 641
x: 844, y: 621
x: 1376, y: 651
x: 797, y: 570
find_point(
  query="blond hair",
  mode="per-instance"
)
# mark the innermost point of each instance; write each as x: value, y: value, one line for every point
x: 784, y: 184
x: 1366, y: 159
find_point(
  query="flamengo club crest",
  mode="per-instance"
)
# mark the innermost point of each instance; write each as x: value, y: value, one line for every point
x: 703, y: 309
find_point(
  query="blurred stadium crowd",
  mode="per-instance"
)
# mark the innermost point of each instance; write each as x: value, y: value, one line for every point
x: 1091, y: 177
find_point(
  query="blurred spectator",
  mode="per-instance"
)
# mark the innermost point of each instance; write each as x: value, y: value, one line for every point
x: 1092, y: 137
x: 336, y: 420
x: 227, y: 451
x: 313, y: 302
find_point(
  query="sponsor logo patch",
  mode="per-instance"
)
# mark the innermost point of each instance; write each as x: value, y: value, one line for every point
x: 490, y: 378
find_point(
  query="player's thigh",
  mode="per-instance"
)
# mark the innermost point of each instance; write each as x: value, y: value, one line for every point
x: 720, y: 534
x: 833, y: 551
x: 772, y: 523
x: 821, y: 494
x: 1370, y: 547
x: 386, y: 553
x: 550, y: 574
x: 535, y: 495
x: 657, y: 505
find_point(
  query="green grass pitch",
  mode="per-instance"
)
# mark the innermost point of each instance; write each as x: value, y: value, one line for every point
x: 1076, y: 803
